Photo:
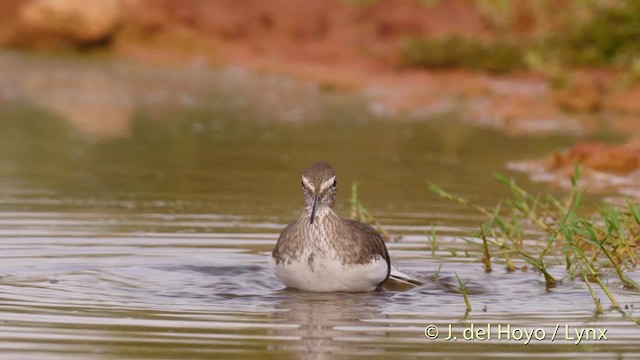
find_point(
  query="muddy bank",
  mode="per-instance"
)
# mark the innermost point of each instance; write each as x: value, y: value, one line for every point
x: 342, y: 45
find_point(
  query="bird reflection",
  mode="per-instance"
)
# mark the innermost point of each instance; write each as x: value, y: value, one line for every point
x: 330, y: 324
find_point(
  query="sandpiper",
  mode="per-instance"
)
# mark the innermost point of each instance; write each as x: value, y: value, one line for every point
x: 322, y: 251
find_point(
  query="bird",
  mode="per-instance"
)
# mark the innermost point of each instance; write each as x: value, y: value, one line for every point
x: 324, y: 252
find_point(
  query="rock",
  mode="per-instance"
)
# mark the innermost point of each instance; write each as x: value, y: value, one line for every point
x: 599, y: 156
x: 82, y: 22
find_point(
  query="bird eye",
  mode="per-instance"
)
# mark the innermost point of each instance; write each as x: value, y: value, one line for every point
x: 302, y: 182
x: 335, y: 183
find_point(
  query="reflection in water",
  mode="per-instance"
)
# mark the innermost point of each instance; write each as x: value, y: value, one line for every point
x: 93, y: 102
x: 138, y: 206
x: 319, y: 317
x: 141, y: 288
x: 102, y: 99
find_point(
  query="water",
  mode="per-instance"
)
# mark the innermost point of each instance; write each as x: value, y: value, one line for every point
x: 138, y: 206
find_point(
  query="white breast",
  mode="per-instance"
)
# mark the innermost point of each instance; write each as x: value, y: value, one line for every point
x: 329, y: 274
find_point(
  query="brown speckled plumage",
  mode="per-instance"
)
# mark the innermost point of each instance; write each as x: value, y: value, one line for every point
x: 327, y: 234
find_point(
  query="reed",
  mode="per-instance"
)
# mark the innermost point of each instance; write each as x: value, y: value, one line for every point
x: 588, y: 244
x: 360, y: 212
x: 463, y: 291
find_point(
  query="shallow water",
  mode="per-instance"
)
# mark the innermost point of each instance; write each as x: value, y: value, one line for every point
x: 148, y: 238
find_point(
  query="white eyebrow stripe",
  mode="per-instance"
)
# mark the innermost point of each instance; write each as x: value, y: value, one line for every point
x: 306, y: 182
x: 327, y: 183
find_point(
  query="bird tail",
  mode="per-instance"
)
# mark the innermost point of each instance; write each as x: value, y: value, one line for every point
x: 400, y: 281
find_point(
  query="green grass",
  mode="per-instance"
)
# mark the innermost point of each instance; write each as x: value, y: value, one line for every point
x: 360, y: 213
x: 603, y: 36
x: 584, y: 244
x: 496, y: 56
x: 609, y: 38
x: 587, y: 245
x: 359, y: 3
x: 433, y: 240
x: 463, y: 291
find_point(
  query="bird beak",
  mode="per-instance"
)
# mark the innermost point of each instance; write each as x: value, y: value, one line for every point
x: 314, y: 208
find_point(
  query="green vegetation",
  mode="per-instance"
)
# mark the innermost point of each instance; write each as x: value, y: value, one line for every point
x: 586, y: 245
x: 609, y: 38
x: 436, y: 274
x: 359, y: 3
x: 581, y: 34
x: 463, y: 291
x: 455, y: 51
x: 360, y: 213
x: 433, y: 239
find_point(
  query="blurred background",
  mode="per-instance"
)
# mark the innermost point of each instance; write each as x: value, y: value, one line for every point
x: 151, y: 152
x: 233, y: 73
